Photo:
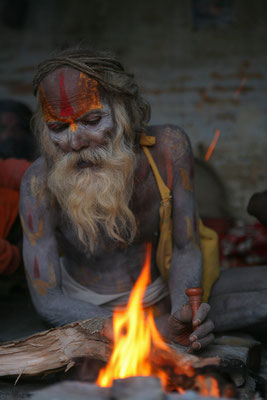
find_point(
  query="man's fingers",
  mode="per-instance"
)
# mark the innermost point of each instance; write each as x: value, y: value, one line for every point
x: 201, y: 314
x: 201, y: 343
x: 202, y: 331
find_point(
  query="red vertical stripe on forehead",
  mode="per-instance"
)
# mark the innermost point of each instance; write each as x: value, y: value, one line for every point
x: 66, y: 109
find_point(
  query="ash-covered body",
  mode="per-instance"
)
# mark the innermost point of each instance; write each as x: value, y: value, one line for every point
x: 90, y: 203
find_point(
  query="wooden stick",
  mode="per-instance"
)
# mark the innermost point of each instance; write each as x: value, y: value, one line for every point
x: 54, y: 349
x: 59, y: 347
x: 195, y: 295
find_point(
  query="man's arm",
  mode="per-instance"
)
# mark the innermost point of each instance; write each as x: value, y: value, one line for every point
x: 41, y: 257
x: 186, y: 265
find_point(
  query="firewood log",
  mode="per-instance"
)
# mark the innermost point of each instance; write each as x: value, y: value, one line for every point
x: 58, y: 348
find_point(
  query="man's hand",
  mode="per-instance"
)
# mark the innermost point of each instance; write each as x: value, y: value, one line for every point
x: 180, y: 328
x: 196, y: 332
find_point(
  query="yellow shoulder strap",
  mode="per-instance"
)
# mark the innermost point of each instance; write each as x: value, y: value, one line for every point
x: 147, y: 140
x: 208, y: 237
x: 164, y: 190
x: 164, y: 248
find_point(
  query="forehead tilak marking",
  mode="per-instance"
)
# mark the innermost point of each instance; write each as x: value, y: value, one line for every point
x: 87, y: 92
x: 65, y: 108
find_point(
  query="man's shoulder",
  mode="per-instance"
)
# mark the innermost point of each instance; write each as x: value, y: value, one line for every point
x: 37, y: 170
x: 33, y: 179
x: 170, y: 138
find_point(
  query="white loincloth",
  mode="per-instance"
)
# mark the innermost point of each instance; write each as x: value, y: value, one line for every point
x: 155, y: 292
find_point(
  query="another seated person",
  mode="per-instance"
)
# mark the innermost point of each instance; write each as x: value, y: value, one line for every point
x: 11, y: 172
x: 16, y: 142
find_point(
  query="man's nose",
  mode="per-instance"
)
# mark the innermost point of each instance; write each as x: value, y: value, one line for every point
x: 78, y: 141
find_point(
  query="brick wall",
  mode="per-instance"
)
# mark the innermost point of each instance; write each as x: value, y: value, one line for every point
x: 190, y: 77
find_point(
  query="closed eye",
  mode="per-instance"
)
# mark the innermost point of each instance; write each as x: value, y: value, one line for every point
x: 57, y: 127
x: 93, y: 121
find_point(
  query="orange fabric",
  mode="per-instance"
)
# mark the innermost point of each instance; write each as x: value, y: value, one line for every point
x: 9, y: 206
x: 11, y: 173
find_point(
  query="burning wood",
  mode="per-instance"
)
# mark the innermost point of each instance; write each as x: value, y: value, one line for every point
x: 135, y: 335
x: 138, y: 351
x: 58, y: 348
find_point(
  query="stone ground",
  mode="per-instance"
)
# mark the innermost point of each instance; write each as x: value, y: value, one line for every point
x: 19, y: 319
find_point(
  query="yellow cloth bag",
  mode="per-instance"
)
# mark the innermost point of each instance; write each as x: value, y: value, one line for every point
x: 209, y: 243
x: 208, y: 238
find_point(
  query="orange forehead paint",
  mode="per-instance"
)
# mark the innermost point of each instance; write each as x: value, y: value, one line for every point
x: 88, y: 99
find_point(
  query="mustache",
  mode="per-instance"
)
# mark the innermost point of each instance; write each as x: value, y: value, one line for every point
x: 96, y: 157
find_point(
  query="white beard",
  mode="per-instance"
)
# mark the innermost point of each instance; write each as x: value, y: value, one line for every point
x: 95, y: 199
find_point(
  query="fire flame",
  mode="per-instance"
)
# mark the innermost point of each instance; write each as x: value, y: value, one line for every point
x: 208, y: 386
x: 134, y: 333
x: 135, y: 339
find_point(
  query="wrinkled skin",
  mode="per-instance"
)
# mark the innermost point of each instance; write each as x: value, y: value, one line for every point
x: 110, y: 270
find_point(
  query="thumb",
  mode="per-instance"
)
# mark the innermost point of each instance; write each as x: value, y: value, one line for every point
x: 185, y: 314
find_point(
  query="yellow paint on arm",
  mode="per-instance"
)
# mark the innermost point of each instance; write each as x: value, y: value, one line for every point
x: 187, y: 183
x: 42, y: 286
x: 37, y: 189
x: 35, y: 235
x: 191, y: 235
x: 34, y: 186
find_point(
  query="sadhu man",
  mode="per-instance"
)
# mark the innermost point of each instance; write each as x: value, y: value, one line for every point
x: 105, y: 186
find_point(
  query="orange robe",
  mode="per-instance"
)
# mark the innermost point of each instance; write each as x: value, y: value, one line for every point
x: 11, y: 173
